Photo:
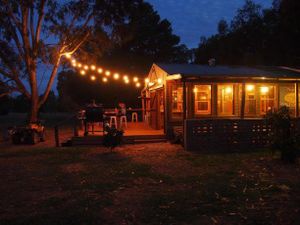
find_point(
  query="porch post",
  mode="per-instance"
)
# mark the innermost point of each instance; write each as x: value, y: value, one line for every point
x: 184, y: 100
x: 243, y: 100
x: 297, y: 98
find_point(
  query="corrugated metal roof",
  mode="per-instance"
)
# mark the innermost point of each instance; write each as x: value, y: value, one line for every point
x: 228, y: 71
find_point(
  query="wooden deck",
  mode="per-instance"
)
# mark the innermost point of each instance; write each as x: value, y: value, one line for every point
x: 134, y: 133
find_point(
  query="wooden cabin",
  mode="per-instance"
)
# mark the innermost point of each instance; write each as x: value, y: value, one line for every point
x: 212, y: 103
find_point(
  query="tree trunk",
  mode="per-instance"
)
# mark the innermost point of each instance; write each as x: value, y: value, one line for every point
x: 33, y: 117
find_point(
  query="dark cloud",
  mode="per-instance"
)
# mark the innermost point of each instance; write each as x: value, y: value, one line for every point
x: 194, y: 18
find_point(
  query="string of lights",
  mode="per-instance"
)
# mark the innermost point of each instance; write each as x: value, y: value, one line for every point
x: 85, y: 69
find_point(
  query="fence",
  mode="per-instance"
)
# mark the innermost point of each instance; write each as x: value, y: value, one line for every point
x: 228, y: 134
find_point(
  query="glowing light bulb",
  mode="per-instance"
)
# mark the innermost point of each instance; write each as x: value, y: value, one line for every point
x: 159, y: 80
x: 104, y: 79
x: 135, y: 79
x: 79, y: 65
x: 195, y: 90
x: 82, y: 72
x: 125, y: 77
x: 73, y: 61
x: 228, y: 90
x: 93, y: 78
x: 68, y: 56
x: 100, y: 70
x: 74, y: 64
x: 93, y: 67
x: 107, y: 73
x: 250, y: 87
x: 264, y: 90
x: 86, y: 67
x: 137, y: 84
x: 127, y: 81
x: 147, y: 80
x: 116, y: 76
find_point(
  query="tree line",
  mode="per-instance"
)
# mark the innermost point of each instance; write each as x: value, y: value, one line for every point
x: 256, y: 36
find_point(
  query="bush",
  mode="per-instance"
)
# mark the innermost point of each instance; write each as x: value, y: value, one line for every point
x: 280, y: 136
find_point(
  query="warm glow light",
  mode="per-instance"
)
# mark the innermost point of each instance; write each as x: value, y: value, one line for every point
x: 93, y: 78
x: 93, y: 67
x: 104, y: 79
x: 264, y: 90
x: 116, y: 76
x: 68, y: 56
x: 86, y: 67
x: 250, y: 87
x: 195, y: 90
x: 137, y: 84
x: 151, y: 83
x: 79, y: 65
x: 107, y: 73
x: 126, y: 81
x: 228, y: 90
x: 147, y: 80
x: 159, y: 80
x: 82, y: 72
x: 100, y: 70
x: 74, y: 64
x: 135, y: 79
x: 73, y: 61
x: 125, y: 77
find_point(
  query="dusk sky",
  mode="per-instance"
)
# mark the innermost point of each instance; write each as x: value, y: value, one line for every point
x: 192, y: 19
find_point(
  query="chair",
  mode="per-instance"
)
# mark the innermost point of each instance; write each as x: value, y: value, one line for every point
x: 123, y: 119
x: 134, y: 117
x: 113, y: 121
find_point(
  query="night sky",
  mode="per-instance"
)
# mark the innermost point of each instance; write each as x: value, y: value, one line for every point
x: 192, y: 19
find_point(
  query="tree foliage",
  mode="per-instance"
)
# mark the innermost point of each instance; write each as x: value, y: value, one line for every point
x: 256, y: 36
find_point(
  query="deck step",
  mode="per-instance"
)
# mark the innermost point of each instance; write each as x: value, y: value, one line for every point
x: 98, y: 140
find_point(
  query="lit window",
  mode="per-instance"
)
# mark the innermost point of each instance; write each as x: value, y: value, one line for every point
x: 225, y: 99
x: 177, y: 102
x: 287, y: 97
x: 267, y: 98
x: 202, y: 99
x: 250, y: 101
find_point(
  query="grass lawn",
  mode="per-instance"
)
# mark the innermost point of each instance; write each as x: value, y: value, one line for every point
x: 145, y: 184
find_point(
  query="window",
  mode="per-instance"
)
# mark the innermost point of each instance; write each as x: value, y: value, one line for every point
x: 225, y: 99
x: 177, y: 101
x: 287, y: 97
x: 267, y: 98
x: 250, y: 100
x: 202, y: 99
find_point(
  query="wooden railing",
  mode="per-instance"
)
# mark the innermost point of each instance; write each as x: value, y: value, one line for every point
x: 228, y: 134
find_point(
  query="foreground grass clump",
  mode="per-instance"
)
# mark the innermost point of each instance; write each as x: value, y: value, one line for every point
x: 146, y: 184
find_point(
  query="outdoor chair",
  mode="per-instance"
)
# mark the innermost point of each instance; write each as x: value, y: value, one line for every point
x: 134, y: 117
x: 113, y: 121
x: 123, y: 119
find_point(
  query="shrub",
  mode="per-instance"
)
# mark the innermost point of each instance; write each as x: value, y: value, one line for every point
x: 281, y: 137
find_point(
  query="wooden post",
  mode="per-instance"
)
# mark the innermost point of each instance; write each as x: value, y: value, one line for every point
x: 56, y: 135
x: 184, y: 101
x: 76, y: 128
x: 297, y: 99
x: 243, y: 100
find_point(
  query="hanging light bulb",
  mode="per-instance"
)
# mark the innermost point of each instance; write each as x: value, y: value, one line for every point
x: 82, y: 72
x: 86, y: 67
x: 116, y: 76
x: 159, y: 80
x: 93, y: 78
x: 74, y: 64
x: 73, y: 61
x: 79, y: 65
x: 100, y: 70
x: 137, y: 84
x: 107, y: 73
x: 93, y: 67
x: 104, y: 79
x: 126, y: 81
x: 135, y: 79
x: 68, y: 56
x: 125, y: 77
